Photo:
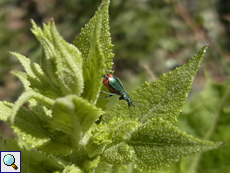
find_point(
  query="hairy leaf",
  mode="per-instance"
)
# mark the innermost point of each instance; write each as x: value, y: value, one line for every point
x: 74, y: 116
x: 207, y: 118
x: 60, y: 119
x: 32, y: 160
x: 61, y: 61
x: 95, y: 45
x: 28, y: 95
x: 163, y: 98
x: 152, y: 145
x: 55, y: 148
x: 72, y: 169
x: 30, y: 128
x: 34, y: 78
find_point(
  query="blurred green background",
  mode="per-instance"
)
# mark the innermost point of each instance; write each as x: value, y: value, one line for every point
x: 150, y: 37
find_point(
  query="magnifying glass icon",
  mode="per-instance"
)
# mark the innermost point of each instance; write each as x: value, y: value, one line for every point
x: 9, y: 160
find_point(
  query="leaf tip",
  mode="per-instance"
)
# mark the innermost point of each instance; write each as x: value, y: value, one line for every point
x: 52, y: 21
x: 34, y: 26
x: 12, y: 53
x: 206, y: 47
x: 32, y: 21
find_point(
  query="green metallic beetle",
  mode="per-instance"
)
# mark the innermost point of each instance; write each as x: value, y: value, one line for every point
x: 114, y: 85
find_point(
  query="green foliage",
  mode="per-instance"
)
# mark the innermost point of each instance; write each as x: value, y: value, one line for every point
x: 65, y: 73
x: 209, y: 119
x: 163, y: 98
x: 59, y: 132
x: 32, y: 160
x: 95, y: 45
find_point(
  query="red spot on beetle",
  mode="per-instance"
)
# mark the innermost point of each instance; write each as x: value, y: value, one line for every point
x: 106, y: 79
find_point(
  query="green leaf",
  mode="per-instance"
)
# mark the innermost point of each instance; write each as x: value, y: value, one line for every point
x: 61, y: 125
x: 61, y: 61
x: 95, y: 45
x: 28, y: 95
x: 108, y: 168
x: 55, y: 148
x: 23, y: 78
x: 163, y: 98
x: 33, y: 131
x: 205, y: 116
x: 90, y: 165
x: 74, y: 116
x: 152, y: 145
x: 29, y: 128
x: 34, y: 78
x: 101, y: 137
x: 72, y: 169
x: 32, y: 160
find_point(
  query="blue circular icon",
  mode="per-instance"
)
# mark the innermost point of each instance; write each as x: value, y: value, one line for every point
x: 8, y: 159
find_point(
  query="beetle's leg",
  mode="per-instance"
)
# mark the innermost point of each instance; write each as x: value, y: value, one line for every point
x: 121, y: 98
x: 110, y: 94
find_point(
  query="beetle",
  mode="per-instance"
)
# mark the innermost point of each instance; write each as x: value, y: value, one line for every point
x: 114, y: 85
